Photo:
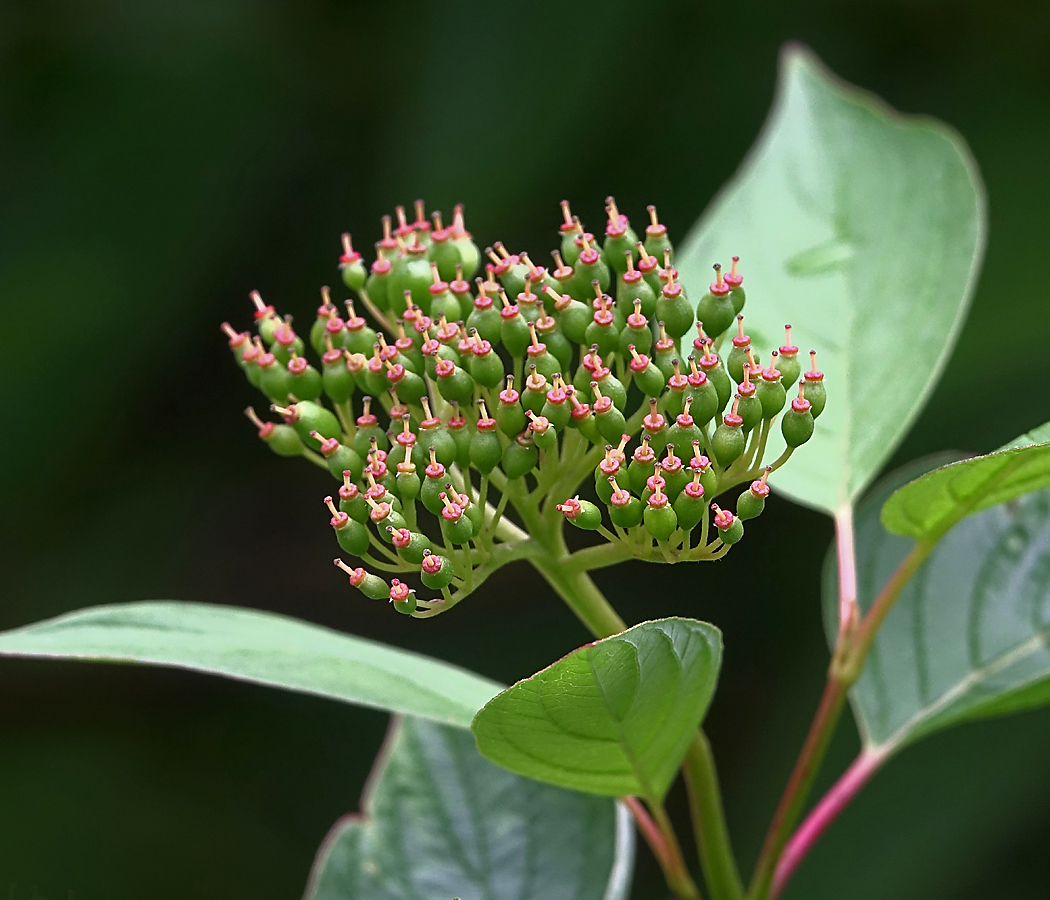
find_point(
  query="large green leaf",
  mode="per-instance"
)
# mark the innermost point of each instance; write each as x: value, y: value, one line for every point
x: 969, y: 635
x: 927, y: 507
x: 440, y: 822
x: 614, y: 717
x: 259, y: 647
x: 864, y: 229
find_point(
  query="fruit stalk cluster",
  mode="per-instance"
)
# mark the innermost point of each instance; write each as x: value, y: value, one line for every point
x: 489, y: 391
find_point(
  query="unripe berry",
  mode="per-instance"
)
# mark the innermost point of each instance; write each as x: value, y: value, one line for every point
x: 656, y: 241
x: 788, y: 362
x: 813, y: 386
x: 654, y: 427
x: 372, y: 586
x: 715, y: 309
x: 728, y: 441
x: 636, y: 333
x: 674, y: 473
x: 377, y: 287
x: 736, y: 286
x: 543, y: 433
x: 455, y: 525
x: 625, y: 510
x: 690, y: 506
x: 572, y: 316
x: 752, y: 501
x: 436, y: 572
x: 537, y: 355
x: 273, y: 378
x: 368, y: 430
x: 282, y: 439
x: 307, y: 417
x: 711, y: 366
x: 684, y: 432
x: 557, y: 344
x: 659, y: 517
x: 620, y: 239
x: 485, y: 448
x: 649, y: 266
x: 665, y: 352
x: 339, y: 457
x: 642, y: 467
x: 603, y: 332
x: 708, y: 475
x: 569, y: 229
x: 469, y: 254
x: 408, y: 483
x: 443, y: 251
x: 484, y: 316
x: 410, y: 545
x: 582, y: 417
x: 510, y: 417
x: 352, y: 535
x: 673, y: 308
x: 581, y: 513
x: 402, y: 597
x: 750, y: 407
x: 730, y: 528
x: 286, y: 343
x: 514, y: 330
x: 611, y: 422
x: 304, y: 381
x: 455, y: 385
x: 352, y: 500
x: 632, y: 289
x: 649, y: 379
x: 557, y: 409
x: 589, y: 267
x: 737, y: 358
x: 520, y: 456
x: 771, y: 389
x: 797, y: 424
x: 703, y: 393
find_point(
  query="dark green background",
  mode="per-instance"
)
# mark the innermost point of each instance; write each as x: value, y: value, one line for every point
x: 159, y: 160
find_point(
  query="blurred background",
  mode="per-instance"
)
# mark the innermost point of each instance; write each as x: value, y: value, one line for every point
x: 159, y: 160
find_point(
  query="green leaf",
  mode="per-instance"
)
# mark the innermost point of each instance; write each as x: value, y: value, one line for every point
x: 969, y: 635
x: 614, y: 717
x: 927, y: 507
x: 440, y: 822
x: 260, y: 647
x: 864, y: 229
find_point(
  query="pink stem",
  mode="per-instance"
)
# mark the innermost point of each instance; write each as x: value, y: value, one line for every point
x: 848, y: 612
x: 648, y: 828
x: 823, y: 814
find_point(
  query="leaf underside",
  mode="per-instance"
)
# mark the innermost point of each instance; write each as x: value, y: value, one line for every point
x: 863, y: 229
x: 260, y: 647
x: 441, y: 822
x: 969, y: 636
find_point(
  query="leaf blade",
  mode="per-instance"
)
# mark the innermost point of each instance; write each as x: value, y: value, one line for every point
x: 931, y: 504
x: 613, y: 717
x: 436, y: 816
x: 262, y: 648
x: 828, y: 207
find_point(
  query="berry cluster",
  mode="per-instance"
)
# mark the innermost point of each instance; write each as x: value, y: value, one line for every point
x: 513, y: 388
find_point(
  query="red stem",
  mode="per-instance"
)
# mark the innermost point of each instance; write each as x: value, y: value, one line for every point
x: 648, y: 828
x: 823, y: 814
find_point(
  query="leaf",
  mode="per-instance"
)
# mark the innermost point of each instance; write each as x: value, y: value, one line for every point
x: 865, y: 230
x: 970, y: 634
x: 440, y: 822
x: 927, y: 507
x: 259, y: 647
x: 614, y: 717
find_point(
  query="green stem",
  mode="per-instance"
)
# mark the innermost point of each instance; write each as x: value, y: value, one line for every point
x: 569, y: 577
x: 709, y: 822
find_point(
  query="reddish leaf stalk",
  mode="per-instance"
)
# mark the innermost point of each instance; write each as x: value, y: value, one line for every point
x: 823, y: 814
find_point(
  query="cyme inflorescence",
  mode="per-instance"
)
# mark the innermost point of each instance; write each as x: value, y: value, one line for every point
x: 593, y: 391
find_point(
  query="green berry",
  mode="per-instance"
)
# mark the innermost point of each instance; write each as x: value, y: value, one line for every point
x: 656, y: 241
x: 436, y: 572
x: 736, y: 284
x: 469, y: 253
x: 520, y: 456
x: 573, y: 317
x: 484, y: 317
x: 304, y: 381
x: 402, y: 597
x: 715, y: 309
x: 456, y: 526
x: 589, y: 267
x: 581, y: 513
x: 649, y: 379
x: 788, y: 361
x: 752, y: 501
x: 281, y: 439
x: 352, y: 500
x: 339, y: 457
x: 711, y: 366
x: 690, y: 506
x: 813, y: 386
x: 410, y: 545
x: 273, y: 378
x: 659, y: 517
x: 625, y: 510
x: 730, y: 528
x: 620, y: 239
x: 372, y: 586
x: 485, y: 448
x: 673, y: 308
x: 351, y: 534
x: 738, y: 358
x: 797, y: 424
x: 307, y: 417
x: 633, y: 292
x: 642, y: 467
x: 729, y: 440
x: 377, y: 287
x: 703, y: 393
